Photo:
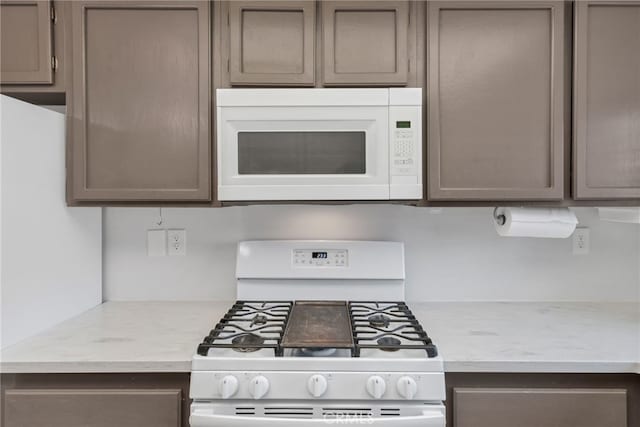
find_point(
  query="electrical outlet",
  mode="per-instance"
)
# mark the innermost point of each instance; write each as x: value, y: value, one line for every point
x: 177, y: 242
x: 581, y: 241
x: 156, y: 242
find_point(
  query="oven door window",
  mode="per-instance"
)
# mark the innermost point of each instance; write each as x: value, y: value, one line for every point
x: 301, y: 153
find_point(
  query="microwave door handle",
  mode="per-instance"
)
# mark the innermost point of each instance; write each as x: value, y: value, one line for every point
x: 429, y: 418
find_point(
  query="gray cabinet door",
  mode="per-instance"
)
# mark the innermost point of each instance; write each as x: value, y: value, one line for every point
x: 607, y: 100
x: 365, y: 43
x: 26, y: 42
x: 495, y: 100
x: 496, y: 407
x: 139, y: 107
x: 92, y: 408
x: 271, y: 42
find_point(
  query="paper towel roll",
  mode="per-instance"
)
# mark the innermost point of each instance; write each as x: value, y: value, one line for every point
x: 535, y: 222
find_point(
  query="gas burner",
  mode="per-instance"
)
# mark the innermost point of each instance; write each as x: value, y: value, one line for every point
x: 389, y: 343
x: 379, y: 320
x: 247, y: 343
x: 259, y: 319
x: 317, y: 352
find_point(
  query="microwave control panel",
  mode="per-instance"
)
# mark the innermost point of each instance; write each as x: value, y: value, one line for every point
x: 405, y: 141
x: 320, y: 258
x: 403, y: 147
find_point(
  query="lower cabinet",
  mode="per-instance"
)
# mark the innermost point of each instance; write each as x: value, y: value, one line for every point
x: 543, y: 400
x: 95, y: 400
x: 501, y: 407
x: 92, y: 407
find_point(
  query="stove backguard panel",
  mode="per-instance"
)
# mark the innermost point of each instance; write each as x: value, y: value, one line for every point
x: 306, y: 270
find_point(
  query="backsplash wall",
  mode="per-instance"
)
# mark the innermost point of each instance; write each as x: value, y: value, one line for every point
x: 453, y: 255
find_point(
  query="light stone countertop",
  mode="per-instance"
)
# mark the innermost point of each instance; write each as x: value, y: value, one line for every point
x: 471, y: 337
x: 534, y: 337
x: 119, y: 337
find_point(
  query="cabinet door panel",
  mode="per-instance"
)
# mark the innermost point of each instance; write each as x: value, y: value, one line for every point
x: 495, y: 101
x: 607, y: 100
x: 140, y: 101
x: 365, y: 43
x: 25, y: 36
x: 494, y: 407
x: 92, y: 408
x: 271, y: 42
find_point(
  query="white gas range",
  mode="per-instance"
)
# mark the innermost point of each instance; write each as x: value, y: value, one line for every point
x: 319, y: 335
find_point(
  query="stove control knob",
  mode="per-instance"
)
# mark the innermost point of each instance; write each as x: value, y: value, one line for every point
x: 228, y: 386
x: 258, y: 387
x: 376, y: 386
x: 317, y: 385
x: 407, y: 387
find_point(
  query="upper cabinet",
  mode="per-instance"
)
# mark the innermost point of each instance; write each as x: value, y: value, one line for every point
x: 138, y: 78
x: 26, y: 42
x: 496, y: 98
x: 355, y: 43
x: 33, y: 61
x: 365, y: 43
x: 271, y: 42
x: 607, y: 100
x: 139, y: 108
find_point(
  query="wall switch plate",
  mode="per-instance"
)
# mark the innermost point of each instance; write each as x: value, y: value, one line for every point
x: 156, y: 243
x: 581, y: 241
x: 177, y: 242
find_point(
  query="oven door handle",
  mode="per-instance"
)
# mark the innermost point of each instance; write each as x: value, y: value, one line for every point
x: 429, y: 418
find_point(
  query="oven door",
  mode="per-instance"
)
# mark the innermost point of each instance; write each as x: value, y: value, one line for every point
x: 303, y: 153
x: 203, y: 415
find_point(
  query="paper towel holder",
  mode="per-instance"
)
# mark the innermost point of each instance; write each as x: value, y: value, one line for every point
x: 499, y: 218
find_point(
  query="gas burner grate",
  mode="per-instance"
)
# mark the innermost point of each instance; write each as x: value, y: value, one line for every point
x: 264, y: 320
x: 255, y: 325
x: 388, y: 326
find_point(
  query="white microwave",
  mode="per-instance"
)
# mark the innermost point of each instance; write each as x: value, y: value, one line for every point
x: 319, y: 144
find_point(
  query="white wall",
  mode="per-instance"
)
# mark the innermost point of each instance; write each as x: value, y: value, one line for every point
x: 50, y: 254
x: 455, y: 255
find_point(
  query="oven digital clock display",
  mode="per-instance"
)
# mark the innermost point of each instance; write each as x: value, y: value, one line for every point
x: 331, y: 258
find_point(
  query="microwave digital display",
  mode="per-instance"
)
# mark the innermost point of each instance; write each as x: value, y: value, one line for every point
x: 403, y: 125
